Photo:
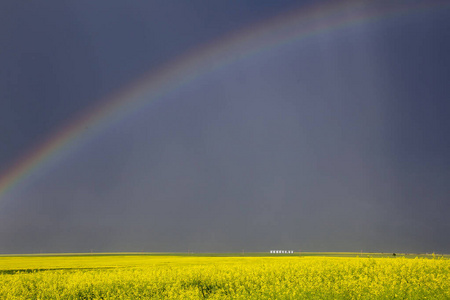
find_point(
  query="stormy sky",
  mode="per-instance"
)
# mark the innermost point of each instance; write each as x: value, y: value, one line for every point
x: 336, y: 142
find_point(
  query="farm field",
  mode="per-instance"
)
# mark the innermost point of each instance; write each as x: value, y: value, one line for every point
x: 225, y: 276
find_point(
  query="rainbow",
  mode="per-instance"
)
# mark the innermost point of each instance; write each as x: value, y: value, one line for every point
x: 285, y: 28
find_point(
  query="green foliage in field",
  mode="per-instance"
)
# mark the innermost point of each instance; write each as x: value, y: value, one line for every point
x: 188, y: 277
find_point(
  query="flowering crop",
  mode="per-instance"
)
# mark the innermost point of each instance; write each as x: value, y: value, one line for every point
x: 189, y: 277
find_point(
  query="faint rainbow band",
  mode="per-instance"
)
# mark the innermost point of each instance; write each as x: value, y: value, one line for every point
x: 285, y: 28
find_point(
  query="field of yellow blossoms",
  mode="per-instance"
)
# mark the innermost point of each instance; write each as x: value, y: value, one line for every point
x: 222, y: 277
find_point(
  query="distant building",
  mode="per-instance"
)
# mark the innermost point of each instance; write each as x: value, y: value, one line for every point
x: 281, y: 251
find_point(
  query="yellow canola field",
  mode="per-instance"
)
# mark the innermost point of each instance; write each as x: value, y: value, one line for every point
x: 188, y: 277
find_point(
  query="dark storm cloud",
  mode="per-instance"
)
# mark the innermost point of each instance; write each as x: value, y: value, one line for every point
x: 58, y: 57
x: 338, y: 143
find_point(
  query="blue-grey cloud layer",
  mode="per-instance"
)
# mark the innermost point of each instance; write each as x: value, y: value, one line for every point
x: 335, y: 143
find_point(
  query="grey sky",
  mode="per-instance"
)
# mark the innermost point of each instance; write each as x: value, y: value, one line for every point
x: 334, y: 143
